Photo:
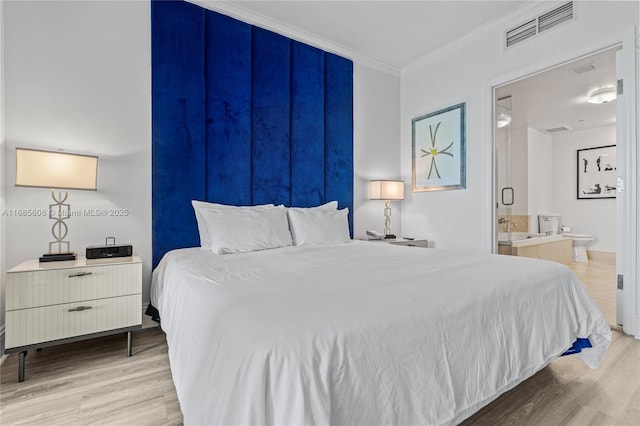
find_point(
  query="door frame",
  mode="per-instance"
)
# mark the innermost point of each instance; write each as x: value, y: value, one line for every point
x: 627, y: 259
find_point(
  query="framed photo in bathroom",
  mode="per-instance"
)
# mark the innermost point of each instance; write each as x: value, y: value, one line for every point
x: 596, y: 173
x: 438, y: 150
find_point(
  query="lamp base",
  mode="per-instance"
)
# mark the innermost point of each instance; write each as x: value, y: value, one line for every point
x: 389, y: 236
x: 58, y: 257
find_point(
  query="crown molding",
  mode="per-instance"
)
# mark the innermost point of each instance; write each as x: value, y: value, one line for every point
x: 517, y: 16
x: 236, y: 11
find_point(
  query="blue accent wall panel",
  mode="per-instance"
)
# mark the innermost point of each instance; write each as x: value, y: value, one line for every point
x: 271, y: 117
x: 178, y: 117
x: 241, y: 115
x: 339, y: 132
x: 228, y: 89
x: 307, y: 125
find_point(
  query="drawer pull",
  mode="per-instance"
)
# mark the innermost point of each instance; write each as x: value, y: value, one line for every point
x: 79, y: 308
x: 80, y: 274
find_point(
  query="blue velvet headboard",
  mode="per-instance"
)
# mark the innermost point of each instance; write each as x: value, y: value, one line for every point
x: 242, y: 115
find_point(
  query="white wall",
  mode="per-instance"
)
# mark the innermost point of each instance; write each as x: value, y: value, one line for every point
x: 465, y: 72
x: 376, y: 146
x: 541, y: 178
x: 78, y: 79
x: 595, y: 217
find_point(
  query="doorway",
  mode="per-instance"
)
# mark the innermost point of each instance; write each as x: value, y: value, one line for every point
x: 542, y: 122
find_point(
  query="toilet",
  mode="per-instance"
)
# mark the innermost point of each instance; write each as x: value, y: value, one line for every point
x: 580, y: 243
x: 549, y: 223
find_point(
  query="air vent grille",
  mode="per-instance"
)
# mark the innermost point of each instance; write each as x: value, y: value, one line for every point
x: 521, y: 33
x: 544, y: 22
x: 558, y: 129
x: 581, y: 69
x: 556, y: 17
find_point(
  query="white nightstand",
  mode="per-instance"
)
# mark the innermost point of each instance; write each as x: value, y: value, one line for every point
x: 59, y: 302
x: 403, y: 242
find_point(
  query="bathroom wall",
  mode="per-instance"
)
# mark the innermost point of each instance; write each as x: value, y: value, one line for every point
x: 540, y: 175
x: 519, y: 171
x: 515, y: 141
x: 594, y: 216
x: 531, y: 175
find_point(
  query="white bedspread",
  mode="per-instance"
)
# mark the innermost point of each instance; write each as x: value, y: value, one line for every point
x: 362, y: 333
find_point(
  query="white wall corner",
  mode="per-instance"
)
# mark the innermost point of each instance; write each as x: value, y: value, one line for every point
x: 376, y: 145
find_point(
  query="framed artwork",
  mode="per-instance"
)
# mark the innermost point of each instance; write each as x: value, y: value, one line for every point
x: 597, y: 173
x: 438, y: 150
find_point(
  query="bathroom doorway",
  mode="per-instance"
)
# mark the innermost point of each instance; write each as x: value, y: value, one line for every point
x: 541, y: 123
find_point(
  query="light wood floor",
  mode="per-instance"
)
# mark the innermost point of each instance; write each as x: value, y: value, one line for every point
x: 93, y: 382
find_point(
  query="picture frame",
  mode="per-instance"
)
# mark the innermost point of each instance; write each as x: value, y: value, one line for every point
x: 438, y: 150
x: 596, y: 173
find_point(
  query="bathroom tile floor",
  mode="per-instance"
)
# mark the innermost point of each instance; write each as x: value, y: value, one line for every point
x: 599, y: 279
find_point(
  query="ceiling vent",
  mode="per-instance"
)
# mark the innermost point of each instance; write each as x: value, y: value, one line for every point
x: 558, y: 129
x: 544, y: 22
x: 581, y: 69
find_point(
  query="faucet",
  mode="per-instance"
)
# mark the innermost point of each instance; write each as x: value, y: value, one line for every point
x: 502, y: 220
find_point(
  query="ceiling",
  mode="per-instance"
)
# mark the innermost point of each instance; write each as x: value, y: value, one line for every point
x: 393, y: 34
x: 558, y: 97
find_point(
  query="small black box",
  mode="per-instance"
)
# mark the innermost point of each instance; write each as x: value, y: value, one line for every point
x: 57, y: 257
x: 105, y: 252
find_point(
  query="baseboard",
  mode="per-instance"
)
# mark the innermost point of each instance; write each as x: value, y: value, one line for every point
x: 602, y: 257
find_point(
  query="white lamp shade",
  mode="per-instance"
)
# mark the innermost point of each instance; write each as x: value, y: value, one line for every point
x: 49, y: 169
x: 386, y: 190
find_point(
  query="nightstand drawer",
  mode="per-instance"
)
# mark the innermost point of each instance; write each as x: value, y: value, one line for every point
x: 43, y: 324
x: 51, y: 287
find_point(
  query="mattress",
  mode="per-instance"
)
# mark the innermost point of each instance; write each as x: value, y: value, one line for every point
x: 361, y: 333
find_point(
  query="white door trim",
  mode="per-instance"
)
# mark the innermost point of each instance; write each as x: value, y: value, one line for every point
x: 627, y: 217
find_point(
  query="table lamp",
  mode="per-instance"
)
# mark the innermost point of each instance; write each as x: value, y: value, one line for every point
x: 57, y: 170
x: 386, y: 190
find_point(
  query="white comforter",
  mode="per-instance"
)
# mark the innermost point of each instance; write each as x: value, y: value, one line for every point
x: 362, y: 333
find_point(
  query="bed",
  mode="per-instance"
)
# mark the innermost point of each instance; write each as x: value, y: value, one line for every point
x: 303, y: 328
x: 360, y: 333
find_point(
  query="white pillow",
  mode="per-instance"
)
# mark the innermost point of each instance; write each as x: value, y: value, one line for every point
x: 203, y: 230
x: 318, y: 226
x: 331, y: 205
x: 243, y: 230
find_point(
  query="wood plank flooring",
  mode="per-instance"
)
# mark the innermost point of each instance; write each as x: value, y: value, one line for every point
x: 93, y: 382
